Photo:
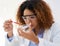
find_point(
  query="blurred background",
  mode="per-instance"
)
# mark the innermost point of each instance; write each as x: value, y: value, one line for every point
x: 8, y: 9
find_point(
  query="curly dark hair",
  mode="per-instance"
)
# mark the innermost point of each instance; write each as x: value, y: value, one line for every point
x: 42, y: 11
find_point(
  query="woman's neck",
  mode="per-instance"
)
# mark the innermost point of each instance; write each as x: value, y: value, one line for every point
x: 37, y: 30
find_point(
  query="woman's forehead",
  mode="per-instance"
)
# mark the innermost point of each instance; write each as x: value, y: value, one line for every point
x: 27, y: 12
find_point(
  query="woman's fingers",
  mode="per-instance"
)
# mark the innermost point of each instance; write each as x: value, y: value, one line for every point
x: 25, y: 34
x: 8, y: 26
x: 20, y: 31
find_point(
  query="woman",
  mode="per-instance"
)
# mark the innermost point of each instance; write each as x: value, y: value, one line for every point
x: 42, y: 30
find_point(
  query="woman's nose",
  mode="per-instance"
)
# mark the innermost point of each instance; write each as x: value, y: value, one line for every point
x: 28, y: 20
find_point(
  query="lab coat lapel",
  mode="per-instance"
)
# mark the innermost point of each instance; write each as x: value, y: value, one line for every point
x: 47, y: 34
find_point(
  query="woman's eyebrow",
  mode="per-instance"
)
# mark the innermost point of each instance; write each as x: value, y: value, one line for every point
x: 29, y: 15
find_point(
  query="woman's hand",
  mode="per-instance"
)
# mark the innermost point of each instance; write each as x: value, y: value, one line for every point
x: 28, y: 35
x: 8, y: 27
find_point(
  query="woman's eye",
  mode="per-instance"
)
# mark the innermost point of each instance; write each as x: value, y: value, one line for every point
x: 32, y: 17
x: 24, y: 17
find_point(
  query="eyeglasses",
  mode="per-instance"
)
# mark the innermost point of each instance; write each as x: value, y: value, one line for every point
x: 25, y: 17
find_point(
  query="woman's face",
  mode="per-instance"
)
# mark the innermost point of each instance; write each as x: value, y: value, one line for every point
x: 30, y: 17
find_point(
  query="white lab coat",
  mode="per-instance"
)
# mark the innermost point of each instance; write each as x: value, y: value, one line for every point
x: 51, y: 38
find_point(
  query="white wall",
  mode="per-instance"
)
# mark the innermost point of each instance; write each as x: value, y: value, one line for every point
x: 8, y: 10
x: 54, y: 4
